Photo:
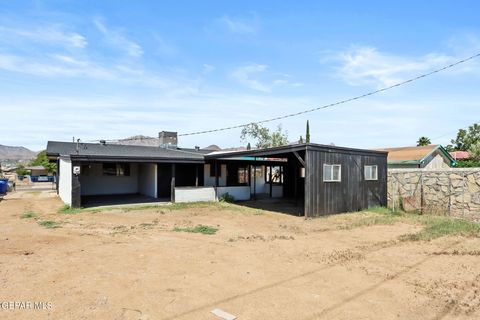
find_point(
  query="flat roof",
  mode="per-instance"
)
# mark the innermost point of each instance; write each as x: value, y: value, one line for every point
x: 291, y: 148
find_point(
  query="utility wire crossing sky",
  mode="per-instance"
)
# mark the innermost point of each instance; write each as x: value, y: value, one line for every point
x: 106, y: 70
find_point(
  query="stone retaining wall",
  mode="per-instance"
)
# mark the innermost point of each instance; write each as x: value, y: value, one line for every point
x: 453, y: 191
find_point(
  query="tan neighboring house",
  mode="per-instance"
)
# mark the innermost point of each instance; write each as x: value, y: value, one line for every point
x: 429, y: 157
x: 37, y: 170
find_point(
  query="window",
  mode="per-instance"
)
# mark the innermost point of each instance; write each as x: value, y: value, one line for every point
x: 242, y: 175
x: 371, y: 172
x: 212, y: 170
x: 116, y: 169
x: 277, y: 174
x: 332, y: 172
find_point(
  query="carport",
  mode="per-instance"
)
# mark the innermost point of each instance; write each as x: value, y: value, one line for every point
x: 323, y: 179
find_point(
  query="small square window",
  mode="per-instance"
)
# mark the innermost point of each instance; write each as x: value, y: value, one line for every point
x: 332, y: 173
x: 371, y: 172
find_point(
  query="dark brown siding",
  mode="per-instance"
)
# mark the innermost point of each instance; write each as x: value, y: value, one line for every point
x: 353, y: 193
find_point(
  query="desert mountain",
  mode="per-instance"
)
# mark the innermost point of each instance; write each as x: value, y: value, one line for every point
x: 16, y: 153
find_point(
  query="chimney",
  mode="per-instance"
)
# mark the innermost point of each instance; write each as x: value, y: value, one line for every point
x: 168, y: 139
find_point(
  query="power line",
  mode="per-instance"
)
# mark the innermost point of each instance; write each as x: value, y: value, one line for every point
x: 338, y: 102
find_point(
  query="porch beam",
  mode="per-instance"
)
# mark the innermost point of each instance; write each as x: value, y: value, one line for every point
x: 299, y: 158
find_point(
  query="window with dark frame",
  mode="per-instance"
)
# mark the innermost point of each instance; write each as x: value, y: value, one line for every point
x: 242, y: 175
x: 212, y: 170
x: 277, y: 174
x: 116, y: 169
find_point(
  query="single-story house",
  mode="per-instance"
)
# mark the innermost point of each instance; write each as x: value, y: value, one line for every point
x: 323, y: 179
x: 37, y: 170
x: 429, y: 157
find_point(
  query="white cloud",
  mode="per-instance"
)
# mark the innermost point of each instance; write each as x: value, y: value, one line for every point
x: 44, y: 34
x: 257, y: 77
x: 241, y: 26
x: 118, y: 40
x: 367, y: 65
x: 243, y: 75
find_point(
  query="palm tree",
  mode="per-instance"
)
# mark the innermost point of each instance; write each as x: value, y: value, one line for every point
x: 423, y: 141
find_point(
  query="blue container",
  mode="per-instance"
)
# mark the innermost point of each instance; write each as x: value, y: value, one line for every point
x: 3, y: 186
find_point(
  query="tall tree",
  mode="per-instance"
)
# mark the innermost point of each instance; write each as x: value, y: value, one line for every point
x: 423, y: 141
x: 249, y: 147
x: 263, y: 137
x: 307, y: 134
x: 474, y: 151
x: 300, y: 140
x: 466, y: 138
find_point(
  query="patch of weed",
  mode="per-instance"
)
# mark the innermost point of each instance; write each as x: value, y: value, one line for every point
x: 66, y: 209
x: 436, y: 227
x: 197, y: 229
x: 49, y: 224
x: 28, y: 215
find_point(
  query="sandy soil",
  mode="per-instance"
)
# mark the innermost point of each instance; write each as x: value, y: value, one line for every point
x: 260, y: 265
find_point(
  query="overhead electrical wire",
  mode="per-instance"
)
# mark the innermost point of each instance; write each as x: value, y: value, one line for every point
x: 290, y: 115
x: 338, y: 102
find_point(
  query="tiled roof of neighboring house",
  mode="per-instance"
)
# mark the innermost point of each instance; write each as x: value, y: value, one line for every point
x: 414, y: 155
x: 98, y: 151
x: 460, y: 155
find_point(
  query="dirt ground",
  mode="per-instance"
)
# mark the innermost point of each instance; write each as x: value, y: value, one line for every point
x: 121, y: 264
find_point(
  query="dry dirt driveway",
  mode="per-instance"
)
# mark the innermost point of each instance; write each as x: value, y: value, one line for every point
x: 122, y: 264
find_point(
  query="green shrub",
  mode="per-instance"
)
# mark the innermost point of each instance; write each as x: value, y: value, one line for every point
x: 226, y: 197
x: 49, y: 224
x: 28, y: 215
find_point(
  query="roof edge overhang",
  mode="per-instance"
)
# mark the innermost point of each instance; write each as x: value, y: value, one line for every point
x: 405, y: 162
x: 293, y: 148
x: 96, y: 158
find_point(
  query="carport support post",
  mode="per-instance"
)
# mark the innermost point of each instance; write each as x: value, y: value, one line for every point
x: 250, y: 179
x: 172, y: 192
x: 271, y: 182
x: 76, y: 189
x: 254, y: 179
x: 196, y: 175
x: 216, y: 178
x: 307, y: 185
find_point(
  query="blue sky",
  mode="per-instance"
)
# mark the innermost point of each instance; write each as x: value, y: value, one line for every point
x: 113, y: 69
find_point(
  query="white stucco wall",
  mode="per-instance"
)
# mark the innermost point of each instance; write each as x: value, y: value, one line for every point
x: 147, y: 179
x: 210, y: 181
x: 65, y: 180
x: 95, y: 183
x: 238, y: 193
x: 194, y: 194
